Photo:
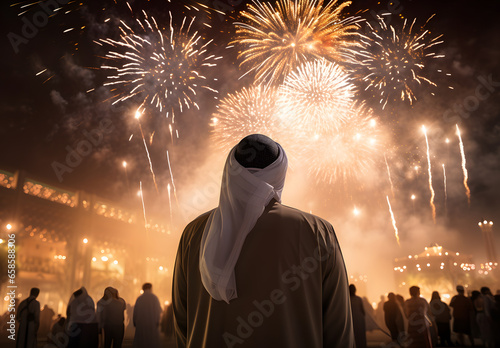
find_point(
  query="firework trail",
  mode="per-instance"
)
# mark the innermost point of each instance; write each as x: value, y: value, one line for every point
x: 138, y: 115
x: 143, y: 206
x: 248, y: 111
x: 164, y: 69
x: 169, y: 202
x: 389, y: 175
x: 347, y: 154
x: 464, y: 168
x: 433, y: 207
x: 172, y: 179
x: 393, y: 63
x: 317, y: 95
x: 396, y: 233
x: 274, y: 40
x: 445, y: 191
x: 150, y: 163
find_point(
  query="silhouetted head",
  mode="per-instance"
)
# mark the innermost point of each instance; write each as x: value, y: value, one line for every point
x: 256, y: 151
x: 391, y: 296
x: 352, y: 289
x: 78, y: 292
x: 460, y: 289
x: 435, y: 296
x: 414, y: 291
x: 110, y: 292
x: 475, y: 294
x: 34, y: 292
x: 147, y: 286
x: 486, y: 291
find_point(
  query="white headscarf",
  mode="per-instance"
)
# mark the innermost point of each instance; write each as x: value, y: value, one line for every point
x: 244, y: 194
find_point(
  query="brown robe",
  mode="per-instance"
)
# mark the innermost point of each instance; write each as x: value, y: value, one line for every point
x: 291, y: 284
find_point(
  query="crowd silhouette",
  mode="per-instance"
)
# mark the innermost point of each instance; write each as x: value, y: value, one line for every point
x: 92, y: 325
x: 471, y: 319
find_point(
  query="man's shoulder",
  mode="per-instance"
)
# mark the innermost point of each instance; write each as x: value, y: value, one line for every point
x: 201, y: 219
x: 195, y: 226
x: 299, y: 215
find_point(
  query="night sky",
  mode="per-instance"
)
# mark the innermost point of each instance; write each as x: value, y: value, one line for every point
x: 41, y: 119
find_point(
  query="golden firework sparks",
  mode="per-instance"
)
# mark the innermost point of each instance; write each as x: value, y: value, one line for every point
x: 275, y: 39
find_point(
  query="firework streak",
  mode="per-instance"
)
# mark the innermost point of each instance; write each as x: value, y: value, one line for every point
x: 464, y: 168
x: 396, y: 233
x: 431, y: 202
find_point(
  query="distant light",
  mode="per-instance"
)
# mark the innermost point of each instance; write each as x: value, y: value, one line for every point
x: 447, y: 141
x: 413, y: 197
x: 138, y: 114
x: 85, y: 240
x: 8, y: 226
x: 115, y: 262
x: 104, y: 258
x: 160, y: 268
x: 167, y: 303
x: 94, y: 259
x: 356, y: 211
x: 485, y: 222
x: 1, y: 241
x: 124, y: 164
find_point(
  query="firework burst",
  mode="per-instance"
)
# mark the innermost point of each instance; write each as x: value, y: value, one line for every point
x: 164, y: 69
x: 273, y: 40
x: 317, y: 96
x: 349, y: 153
x: 393, y: 65
x: 251, y: 110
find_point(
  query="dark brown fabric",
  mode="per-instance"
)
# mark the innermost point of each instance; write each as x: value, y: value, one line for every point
x: 291, y: 282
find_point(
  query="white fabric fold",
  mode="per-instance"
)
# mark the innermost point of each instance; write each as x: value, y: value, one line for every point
x: 244, y: 194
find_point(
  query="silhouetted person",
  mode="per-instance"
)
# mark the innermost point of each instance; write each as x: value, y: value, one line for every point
x: 416, y: 309
x: 379, y: 311
x: 28, y: 315
x: 358, y: 317
x: 81, y: 321
x: 255, y: 273
x: 484, y: 304
x: 393, y: 317
x: 496, y: 319
x: 129, y: 322
x: 147, y: 313
x: 442, y: 316
x: 46, y: 316
x: 167, y: 321
x: 463, y: 314
x: 110, y: 315
x: 57, y: 335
